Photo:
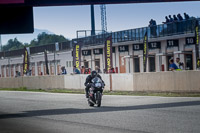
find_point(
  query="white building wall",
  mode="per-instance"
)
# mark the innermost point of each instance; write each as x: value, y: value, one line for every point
x: 131, y: 58
x: 93, y: 60
x: 141, y: 63
x: 164, y: 51
x: 63, y: 58
x: 117, y: 58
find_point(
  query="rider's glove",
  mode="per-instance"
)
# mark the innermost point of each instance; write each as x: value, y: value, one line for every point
x: 85, y: 84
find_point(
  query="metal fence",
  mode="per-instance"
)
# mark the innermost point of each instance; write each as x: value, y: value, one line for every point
x: 169, y: 29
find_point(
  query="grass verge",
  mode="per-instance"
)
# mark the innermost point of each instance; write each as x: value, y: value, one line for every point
x: 128, y: 93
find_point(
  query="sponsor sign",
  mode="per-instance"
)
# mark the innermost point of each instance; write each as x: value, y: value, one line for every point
x: 77, y: 55
x: 123, y: 48
x: 86, y: 52
x: 46, y: 62
x: 197, y: 44
x: 97, y: 51
x: 154, y: 45
x: 108, y: 54
x: 145, y: 51
x: 190, y: 40
x: 172, y: 43
x: 26, y: 61
x: 137, y: 47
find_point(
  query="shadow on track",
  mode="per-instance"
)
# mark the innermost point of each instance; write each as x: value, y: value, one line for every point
x: 96, y: 110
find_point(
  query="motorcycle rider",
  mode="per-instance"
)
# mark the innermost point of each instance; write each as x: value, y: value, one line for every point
x: 89, y: 81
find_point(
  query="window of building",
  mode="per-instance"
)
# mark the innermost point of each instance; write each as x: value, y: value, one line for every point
x: 97, y: 62
x: 188, y: 62
x: 152, y: 64
x: 86, y: 64
x: 70, y: 64
x: 67, y: 64
x: 136, y: 64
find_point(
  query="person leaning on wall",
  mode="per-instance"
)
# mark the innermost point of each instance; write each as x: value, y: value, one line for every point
x: 17, y: 73
x: 83, y: 70
x: 64, y: 71
x: 76, y: 71
x: 172, y: 66
x: 198, y: 64
x: 97, y: 69
x: 180, y: 64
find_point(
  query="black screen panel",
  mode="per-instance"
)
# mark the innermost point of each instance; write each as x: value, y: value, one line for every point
x: 16, y: 20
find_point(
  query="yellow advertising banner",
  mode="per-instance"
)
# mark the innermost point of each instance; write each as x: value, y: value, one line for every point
x: 108, y: 54
x: 145, y: 52
x: 77, y: 55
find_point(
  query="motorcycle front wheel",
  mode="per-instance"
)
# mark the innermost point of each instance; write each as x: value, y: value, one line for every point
x: 98, y: 99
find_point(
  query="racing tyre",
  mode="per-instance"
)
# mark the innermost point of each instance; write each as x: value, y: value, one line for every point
x: 98, y: 100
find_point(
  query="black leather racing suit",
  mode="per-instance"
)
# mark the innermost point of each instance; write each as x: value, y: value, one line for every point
x: 88, y: 82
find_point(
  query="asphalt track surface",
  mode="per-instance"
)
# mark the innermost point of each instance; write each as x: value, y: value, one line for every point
x: 33, y: 112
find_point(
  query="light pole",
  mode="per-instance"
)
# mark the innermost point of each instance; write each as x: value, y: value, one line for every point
x: 56, y: 49
x: 8, y: 66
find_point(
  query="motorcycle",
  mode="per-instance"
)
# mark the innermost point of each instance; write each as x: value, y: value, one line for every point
x: 95, y: 92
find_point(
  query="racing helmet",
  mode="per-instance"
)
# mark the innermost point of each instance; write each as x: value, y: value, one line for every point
x: 93, y: 74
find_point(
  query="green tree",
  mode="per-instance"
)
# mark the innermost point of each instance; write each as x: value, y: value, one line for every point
x: 13, y: 44
x: 45, y: 38
x: 42, y: 39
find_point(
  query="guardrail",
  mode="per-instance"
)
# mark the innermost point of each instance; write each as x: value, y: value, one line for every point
x: 169, y: 29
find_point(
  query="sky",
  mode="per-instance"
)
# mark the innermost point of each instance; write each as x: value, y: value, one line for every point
x: 66, y: 20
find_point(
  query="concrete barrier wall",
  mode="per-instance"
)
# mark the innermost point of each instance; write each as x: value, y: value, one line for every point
x: 43, y: 82
x: 180, y: 81
x: 38, y: 82
x: 11, y: 82
x: 122, y: 82
x: 184, y: 81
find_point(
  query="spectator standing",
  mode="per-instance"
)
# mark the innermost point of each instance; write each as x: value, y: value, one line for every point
x: 175, y: 24
x: 179, y: 64
x: 98, y: 70
x: 151, y: 23
x: 89, y: 70
x: 154, y: 23
x: 180, y: 24
x: 76, y: 71
x: 172, y: 65
x: 171, y: 19
x: 64, y: 71
x: 153, y: 27
x: 180, y: 18
x: 82, y: 70
x: 170, y: 25
x: 17, y: 73
x: 166, y: 20
x: 186, y: 16
x: 175, y: 18
x: 86, y: 71
x: 198, y: 64
x: 112, y: 70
